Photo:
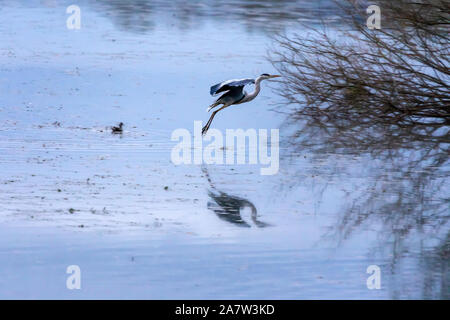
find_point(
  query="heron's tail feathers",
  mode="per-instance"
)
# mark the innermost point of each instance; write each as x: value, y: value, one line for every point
x: 215, y: 104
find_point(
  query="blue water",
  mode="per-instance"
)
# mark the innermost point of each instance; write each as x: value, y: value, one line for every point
x: 71, y: 193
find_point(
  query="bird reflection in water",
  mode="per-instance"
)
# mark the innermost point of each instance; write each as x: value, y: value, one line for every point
x: 229, y: 208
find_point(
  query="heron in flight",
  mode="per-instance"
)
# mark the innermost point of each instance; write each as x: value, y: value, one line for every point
x: 234, y: 93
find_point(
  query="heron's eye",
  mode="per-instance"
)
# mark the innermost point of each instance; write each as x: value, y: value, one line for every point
x: 265, y: 74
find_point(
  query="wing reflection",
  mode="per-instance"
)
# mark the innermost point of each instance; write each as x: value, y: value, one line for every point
x: 229, y: 208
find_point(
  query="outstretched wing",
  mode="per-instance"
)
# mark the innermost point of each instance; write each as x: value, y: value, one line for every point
x: 229, y: 84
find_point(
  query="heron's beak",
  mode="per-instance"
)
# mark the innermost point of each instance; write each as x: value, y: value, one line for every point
x: 275, y: 76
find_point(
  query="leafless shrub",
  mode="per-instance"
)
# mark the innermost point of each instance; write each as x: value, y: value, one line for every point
x: 382, y: 95
x: 397, y: 75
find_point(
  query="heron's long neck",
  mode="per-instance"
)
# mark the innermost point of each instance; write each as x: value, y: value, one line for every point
x: 252, y: 95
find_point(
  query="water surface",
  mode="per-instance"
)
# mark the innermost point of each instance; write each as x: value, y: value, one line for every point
x: 139, y: 226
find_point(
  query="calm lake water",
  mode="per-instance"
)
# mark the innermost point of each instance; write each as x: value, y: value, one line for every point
x: 140, y: 227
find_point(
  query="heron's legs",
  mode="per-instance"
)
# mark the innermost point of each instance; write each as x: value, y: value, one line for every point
x: 215, y: 104
x: 206, y: 127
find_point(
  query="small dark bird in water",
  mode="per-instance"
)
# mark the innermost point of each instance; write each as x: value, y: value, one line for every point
x: 118, y: 129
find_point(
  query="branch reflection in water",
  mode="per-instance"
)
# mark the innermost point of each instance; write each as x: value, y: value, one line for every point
x: 403, y: 194
x: 142, y: 16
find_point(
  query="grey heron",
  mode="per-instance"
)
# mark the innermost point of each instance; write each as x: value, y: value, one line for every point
x: 234, y: 93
